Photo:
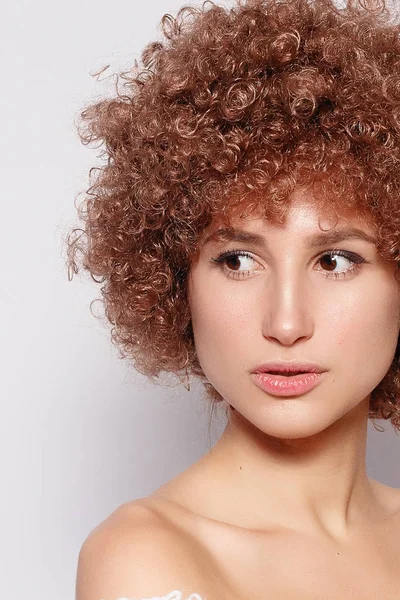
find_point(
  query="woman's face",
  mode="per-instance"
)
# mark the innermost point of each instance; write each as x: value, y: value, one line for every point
x: 286, y: 299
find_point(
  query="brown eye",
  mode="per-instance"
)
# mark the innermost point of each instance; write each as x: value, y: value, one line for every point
x: 235, y: 263
x: 330, y: 261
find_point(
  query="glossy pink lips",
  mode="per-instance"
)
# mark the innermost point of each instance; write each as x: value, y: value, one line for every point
x: 282, y: 385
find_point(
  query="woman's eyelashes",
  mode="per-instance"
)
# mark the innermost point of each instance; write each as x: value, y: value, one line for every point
x: 233, y: 255
x: 231, y: 261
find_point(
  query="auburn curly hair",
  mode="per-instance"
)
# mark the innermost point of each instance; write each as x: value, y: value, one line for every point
x: 264, y: 96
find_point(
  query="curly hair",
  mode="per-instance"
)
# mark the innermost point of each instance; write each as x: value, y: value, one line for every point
x: 263, y: 96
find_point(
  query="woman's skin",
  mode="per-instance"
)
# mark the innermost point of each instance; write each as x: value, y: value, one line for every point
x: 299, y: 459
x: 281, y: 508
x: 295, y: 465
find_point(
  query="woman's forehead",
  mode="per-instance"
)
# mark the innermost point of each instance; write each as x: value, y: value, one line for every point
x: 303, y: 211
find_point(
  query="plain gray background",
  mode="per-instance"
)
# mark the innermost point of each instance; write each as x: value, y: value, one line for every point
x: 81, y: 433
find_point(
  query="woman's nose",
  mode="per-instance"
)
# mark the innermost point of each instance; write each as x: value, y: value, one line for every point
x: 288, y: 308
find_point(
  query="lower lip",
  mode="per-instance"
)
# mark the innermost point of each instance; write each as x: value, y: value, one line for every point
x: 280, y: 385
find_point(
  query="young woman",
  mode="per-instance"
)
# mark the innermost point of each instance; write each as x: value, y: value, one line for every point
x: 246, y: 231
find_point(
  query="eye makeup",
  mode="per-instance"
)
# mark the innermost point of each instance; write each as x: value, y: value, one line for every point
x: 221, y: 261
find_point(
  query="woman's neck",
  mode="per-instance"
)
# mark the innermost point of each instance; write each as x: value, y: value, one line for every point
x: 318, y: 482
x: 317, y: 485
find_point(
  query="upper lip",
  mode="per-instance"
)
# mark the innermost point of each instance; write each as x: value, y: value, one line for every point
x: 287, y: 367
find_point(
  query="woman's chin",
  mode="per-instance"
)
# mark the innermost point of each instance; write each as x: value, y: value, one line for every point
x: 296, y: 423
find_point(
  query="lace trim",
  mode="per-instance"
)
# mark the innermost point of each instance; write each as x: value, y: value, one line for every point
x: 175, y: 595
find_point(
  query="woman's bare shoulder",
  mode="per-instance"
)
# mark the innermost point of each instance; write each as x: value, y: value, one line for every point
x: 135, y: 554
x: 389, y: 496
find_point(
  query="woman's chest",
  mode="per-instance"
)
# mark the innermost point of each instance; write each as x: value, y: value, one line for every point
x: 297, y: 567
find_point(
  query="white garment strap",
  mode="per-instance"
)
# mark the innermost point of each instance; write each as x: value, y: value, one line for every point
x: 175, y: 595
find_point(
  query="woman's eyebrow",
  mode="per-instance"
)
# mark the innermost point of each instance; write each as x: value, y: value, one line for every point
x: 334, y: 236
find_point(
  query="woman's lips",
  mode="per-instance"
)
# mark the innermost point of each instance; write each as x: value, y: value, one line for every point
x: 287, y: 385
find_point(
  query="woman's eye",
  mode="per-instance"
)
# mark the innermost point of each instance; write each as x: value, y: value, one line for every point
x: 237, y: 263
x: 332, y: 262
